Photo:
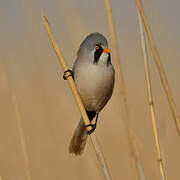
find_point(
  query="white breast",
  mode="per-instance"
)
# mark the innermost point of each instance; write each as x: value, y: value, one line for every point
x: 95, y: 83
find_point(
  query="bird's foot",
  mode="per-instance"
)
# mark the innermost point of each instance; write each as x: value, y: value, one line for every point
x: 68, y: 73
x: 93, y: 127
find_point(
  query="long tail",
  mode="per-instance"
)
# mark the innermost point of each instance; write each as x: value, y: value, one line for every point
x: 79, y: 139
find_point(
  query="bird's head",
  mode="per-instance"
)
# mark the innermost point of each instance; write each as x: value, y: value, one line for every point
x: 95, y: 47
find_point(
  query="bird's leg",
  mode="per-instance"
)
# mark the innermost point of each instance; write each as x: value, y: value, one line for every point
x: 93, y: 126
x: 68, y: 73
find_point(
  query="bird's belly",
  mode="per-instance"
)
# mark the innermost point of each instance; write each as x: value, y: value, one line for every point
x: 95, y: 85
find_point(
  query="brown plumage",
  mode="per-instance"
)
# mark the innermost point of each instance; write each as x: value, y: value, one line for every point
x: 79, y: 139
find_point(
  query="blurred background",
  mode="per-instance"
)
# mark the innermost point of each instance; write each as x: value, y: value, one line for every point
x: 38, y: 114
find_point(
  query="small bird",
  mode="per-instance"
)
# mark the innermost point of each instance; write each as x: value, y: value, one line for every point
x: 94, y: 77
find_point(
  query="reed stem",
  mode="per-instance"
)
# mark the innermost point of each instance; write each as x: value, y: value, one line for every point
x: 94, y: 142
x: 160, y: 67
x: 22, y: 139
x: 150, y: 99
x: 124, y: 103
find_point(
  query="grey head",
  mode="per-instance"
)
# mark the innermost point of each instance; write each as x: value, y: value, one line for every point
x: 93, y: 39
x: 94, y: 47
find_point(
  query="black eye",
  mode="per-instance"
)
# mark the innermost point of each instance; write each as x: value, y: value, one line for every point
x: 97, y: 53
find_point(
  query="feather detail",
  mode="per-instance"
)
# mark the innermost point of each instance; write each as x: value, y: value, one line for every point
x: 79, y: 139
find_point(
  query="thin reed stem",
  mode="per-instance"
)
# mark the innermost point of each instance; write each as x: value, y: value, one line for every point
x: 150, y: 99
x: 94, y: 142
x: 136, y: 155
x: 65, y: 68
x: 124, y: 104
x: 100, y: 157
x: 160, y: 67
x: 22, y: 139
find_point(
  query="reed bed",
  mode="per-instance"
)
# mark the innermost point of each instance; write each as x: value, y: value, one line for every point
x: 137, y: 171
x: 161, y: 70
x: 124, y: 103
x: 93, y: 138
x: 150, y: 99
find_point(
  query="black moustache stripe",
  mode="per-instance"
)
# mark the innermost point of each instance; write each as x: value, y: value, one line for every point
x: 97, y: 54
x: 109, y: 59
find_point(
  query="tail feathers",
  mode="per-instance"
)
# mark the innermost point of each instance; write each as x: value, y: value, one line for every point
x: 79, y: 139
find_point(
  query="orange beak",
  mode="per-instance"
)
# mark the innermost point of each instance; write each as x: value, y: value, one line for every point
x: 106, y: 50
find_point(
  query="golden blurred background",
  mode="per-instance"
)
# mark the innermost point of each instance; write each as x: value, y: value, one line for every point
x: 38, y: 113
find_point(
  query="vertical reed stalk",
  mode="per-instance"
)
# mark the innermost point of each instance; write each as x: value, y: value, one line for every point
x: 136, y: 155
x: 94, y: 142
x: 4, y: 77
x: 160, y: 67
x: 150, y: 98
x: 22, y: 139
x: 100, y: 157
x: 124, y: 104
